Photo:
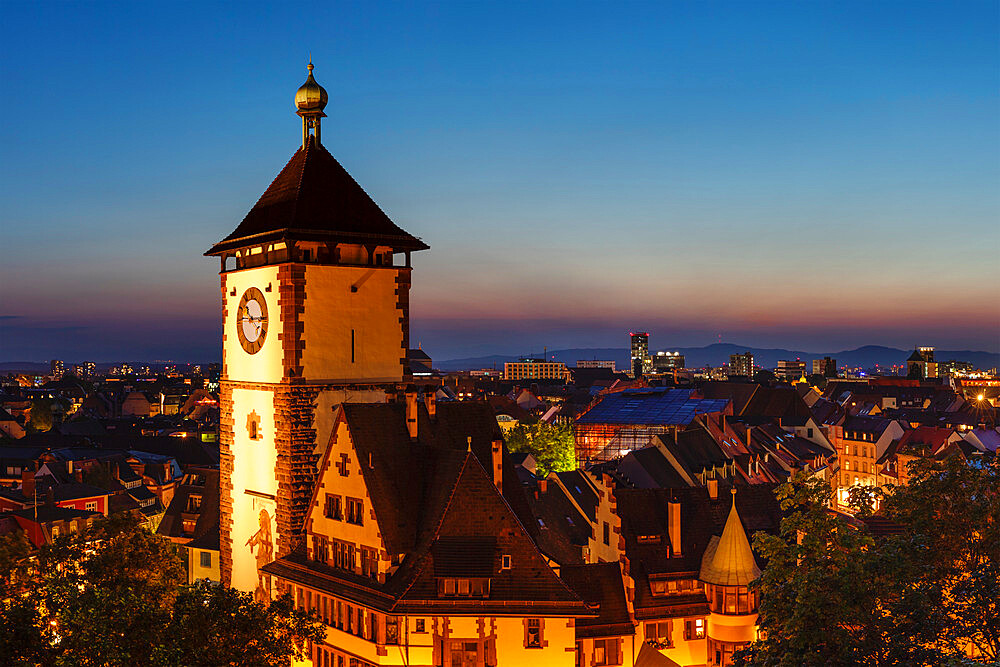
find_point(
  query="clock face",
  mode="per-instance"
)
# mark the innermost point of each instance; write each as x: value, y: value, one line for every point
x: 251, y: 320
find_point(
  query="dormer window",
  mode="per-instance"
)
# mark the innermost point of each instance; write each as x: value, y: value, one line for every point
x: 505, y: 562
x: 477, y: 587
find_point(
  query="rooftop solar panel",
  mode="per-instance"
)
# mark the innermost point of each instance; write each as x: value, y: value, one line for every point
x: 650, y: 406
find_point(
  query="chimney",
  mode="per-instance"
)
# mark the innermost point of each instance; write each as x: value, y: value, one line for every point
x: 543, y: 485
x: 713, y: 488
x: 497, y: 464
x: 748, y: 434
x: 674, y: 526
x: 50, y: 496
x: 28, y: 483
x: 430, y: 401
x: 411, y: 411
x: 79, y: 475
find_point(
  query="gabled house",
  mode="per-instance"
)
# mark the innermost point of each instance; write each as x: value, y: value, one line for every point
x: 415, y: 553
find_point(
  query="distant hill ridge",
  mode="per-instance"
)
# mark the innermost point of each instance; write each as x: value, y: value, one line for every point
x: 717, y: 354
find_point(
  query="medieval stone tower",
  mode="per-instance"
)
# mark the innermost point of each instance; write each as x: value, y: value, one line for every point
x: 315, y: 308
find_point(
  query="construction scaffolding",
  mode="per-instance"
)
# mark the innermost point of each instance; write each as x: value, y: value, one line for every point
x: 622, y: 421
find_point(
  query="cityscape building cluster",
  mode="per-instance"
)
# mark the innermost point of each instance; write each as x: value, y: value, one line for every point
x: 327, y: 459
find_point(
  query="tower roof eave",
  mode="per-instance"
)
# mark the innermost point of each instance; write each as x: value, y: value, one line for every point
x: 314, y: 198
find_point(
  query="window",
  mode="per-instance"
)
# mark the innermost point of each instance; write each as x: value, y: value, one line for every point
x: 533, y: 633
x: 419, y: 625
x: 505, y: 562
x: 193, y: 503
x: 450, y: 587
x: 694, y: 628
x: 658, y: 587
x: 847, y: 465
x: 464, y: 653
x: 206, y: 558
x: 658, y: 634
x: 391, y: 630
x: 332, y: 509
x: 369, y: 562
x: 606, y: 652
x: 607, y: 533
x: 91, y: 506
x: 355, y: 511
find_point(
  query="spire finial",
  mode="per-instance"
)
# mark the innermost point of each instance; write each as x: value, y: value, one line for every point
x: 310, y: 100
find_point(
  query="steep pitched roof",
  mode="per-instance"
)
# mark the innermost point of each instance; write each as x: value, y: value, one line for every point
x: 729, y: 561
x: 601, y: 586
x: 314, y: 198
x: 464, y: 527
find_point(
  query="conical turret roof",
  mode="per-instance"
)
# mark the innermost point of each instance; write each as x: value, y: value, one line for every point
x: 729, y: 560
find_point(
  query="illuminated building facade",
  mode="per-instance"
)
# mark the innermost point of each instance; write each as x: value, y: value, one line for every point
x: 827, y: 367
x: 921, y: 363
x: 790, y: 370
x: 315, y: 306
x: 667, y: 362
x: 596, y: 363
x: 535, y: 369
x: 641, y: 363
x: 741, y: 364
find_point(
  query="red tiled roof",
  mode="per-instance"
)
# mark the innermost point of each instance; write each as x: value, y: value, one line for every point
x: 314, y: 198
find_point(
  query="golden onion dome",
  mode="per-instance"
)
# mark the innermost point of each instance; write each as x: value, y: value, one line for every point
x: 310, y: 96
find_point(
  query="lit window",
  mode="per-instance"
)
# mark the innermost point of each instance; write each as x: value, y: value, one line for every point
x: 533, y: 633
x: 206, y: 559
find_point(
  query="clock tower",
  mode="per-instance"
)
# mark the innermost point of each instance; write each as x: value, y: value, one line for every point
x: 315, y: 310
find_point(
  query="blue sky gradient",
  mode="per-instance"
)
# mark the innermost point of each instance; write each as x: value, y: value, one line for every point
x: 810, y: 175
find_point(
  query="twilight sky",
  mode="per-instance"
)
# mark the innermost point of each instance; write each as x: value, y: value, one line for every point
x: 810, y: 175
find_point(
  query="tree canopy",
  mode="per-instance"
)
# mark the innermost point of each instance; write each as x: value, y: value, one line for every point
x: 923, y: 589
x: 552, y: 446
x: 115, y: 595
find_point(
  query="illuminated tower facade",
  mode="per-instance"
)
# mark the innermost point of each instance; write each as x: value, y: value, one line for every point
x: 641, y: 362
x: 315, y: 306
x: 727, y: 568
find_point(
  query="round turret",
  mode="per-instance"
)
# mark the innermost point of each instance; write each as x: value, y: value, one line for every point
x: 310, y: 97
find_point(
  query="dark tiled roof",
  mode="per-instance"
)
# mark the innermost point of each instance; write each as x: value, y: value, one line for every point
x: 695, y: 449
x: 208, y: 541
x: 314, y: 198
x: 461, y: 513
x: 464, y: 556
x: 202, y: 482
x: 644, y: 512
x: 602, y: 588
x: 648, y: 468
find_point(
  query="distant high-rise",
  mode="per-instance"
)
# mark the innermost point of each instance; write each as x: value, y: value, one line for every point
x: 790, y: 370
x: 56, y: 368
x: 826, y: 367
x: 741, y: 364
x: 921, y: 363
x: 666, y: 362
x: 641, y: 363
